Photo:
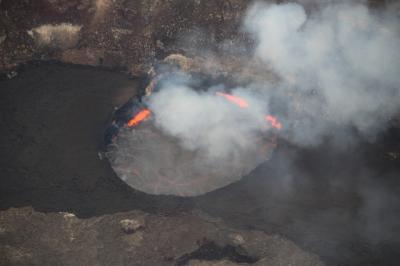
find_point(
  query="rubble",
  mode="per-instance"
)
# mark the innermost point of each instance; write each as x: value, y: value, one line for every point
x: 130, y: 226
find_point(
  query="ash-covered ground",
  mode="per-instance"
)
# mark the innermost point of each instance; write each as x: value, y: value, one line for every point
x: 341, y: 205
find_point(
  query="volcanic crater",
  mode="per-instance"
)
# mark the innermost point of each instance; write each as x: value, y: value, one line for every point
x: 74, y: 78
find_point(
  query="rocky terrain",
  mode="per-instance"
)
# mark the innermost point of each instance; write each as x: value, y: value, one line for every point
x: 137, y: 238
x: 118, y: 34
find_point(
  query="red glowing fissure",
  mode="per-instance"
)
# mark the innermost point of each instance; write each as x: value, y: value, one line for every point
x: 273, y: 121
x: 236, y: 100
x: 242, y: 103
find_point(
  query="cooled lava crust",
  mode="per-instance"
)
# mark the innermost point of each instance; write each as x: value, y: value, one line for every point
x: 149, y: 160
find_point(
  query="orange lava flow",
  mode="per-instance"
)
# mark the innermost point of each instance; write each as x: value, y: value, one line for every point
x: 243, y: 104
x: 142, y: 115
x: 273, y: 121
x: 236, y: 100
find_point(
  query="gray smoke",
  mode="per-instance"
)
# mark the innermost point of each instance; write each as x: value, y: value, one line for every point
x: 207, y: 122
x: 339, y: 68
x: 341, y: 62
x: 343, y: 55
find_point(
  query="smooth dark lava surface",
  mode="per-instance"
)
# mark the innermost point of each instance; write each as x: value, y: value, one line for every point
x: 341, y: 204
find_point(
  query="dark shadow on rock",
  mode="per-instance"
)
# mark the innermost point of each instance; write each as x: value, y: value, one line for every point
x: 209, y: 251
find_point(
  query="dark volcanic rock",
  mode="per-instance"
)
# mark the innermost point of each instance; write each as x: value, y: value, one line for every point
x: 118, y: 33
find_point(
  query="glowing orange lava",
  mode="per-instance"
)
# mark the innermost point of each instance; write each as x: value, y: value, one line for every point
x: 243, y: 104
x: 273, y: 121
x: 142, y: 115
x: 236, y: 100
x: 145, y: 113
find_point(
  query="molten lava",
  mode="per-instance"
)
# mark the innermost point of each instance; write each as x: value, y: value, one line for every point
x: 243, y: 104
x: 273, y: 121
x: 145, y: 113
x: 142, y: 115
x: 236, y: 100
x: 175, y: 170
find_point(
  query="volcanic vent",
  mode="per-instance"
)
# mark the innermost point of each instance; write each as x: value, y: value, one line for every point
x: 150, y: 156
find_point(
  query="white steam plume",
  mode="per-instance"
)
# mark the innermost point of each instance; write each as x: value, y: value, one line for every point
x: 341, y: 59
x: 206, y: 122
x: 348, y: 56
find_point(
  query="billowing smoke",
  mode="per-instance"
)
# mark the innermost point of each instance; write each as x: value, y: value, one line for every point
x: 339, y: 69
x: 343, y: 57
x: 206, y: 122
x: 341, y: 63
